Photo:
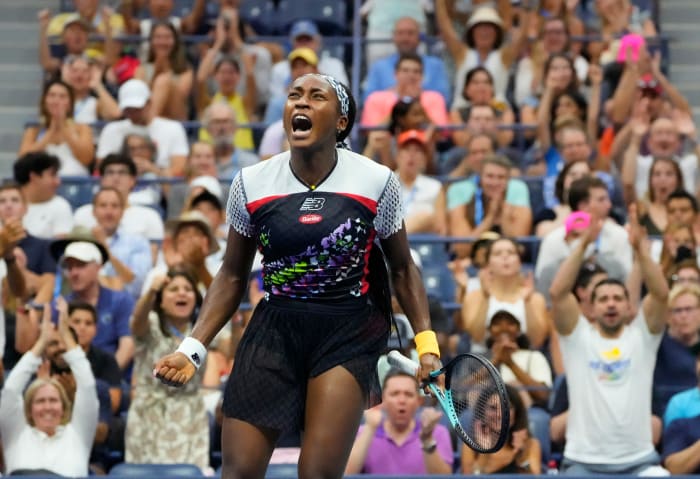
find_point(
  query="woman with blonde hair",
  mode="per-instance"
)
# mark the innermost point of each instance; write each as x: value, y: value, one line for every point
x: 39, y: 431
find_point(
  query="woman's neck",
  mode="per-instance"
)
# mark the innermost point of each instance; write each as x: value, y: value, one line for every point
x: 179, y: 323
x: 502, y: 286
x: 312, y: 166
x: 407, y: 177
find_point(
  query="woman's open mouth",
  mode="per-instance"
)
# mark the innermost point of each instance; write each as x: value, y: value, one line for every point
x: 301, y: 126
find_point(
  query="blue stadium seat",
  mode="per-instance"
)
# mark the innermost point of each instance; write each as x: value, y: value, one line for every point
x: 430, y: 254
x: 539, y: 428
x: 329, y: 15
x: 439, y: 283
x: 155, y: 470
x: 281, y: 471
x: 535, y: 187
x: 77, y: 192
x: 260, y: 15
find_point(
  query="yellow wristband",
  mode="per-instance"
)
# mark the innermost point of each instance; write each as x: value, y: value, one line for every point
x: 426, y: 343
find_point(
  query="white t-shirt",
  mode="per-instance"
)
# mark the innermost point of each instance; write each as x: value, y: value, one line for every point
x: 612, y: 251
x: 532, y: 362
x: 687, y: 163
x: 421, y: 196
x: 49, y: 219
x: 169, y: 137
x: 609, y: 383
x: 137, y: 220
x: 85, y: 110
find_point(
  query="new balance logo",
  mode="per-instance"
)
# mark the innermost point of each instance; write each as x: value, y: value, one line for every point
x: 195, y: 358
x: 312, y: 204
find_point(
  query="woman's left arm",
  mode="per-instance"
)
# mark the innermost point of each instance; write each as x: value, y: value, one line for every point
x: 80, y: 141
x: 516, y: 221
x: 184, y: 82
x: 536, y: 319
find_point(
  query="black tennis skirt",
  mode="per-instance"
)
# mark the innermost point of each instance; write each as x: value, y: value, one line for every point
x: 289, y: 341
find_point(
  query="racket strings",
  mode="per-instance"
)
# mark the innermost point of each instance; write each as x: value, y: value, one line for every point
x: 477, y: 403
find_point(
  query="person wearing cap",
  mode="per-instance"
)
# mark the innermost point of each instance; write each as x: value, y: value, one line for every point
x: 74, y: 28
x: 191, y: 243
x: 92, y: 100
x: 395, y: 439
x: 302, y: 60
x: 305, y: 33
x: 230, y: 65
x: 418, y: 191
x: 119, y: 172
x: 484, y: 44
x: 48, y: 214
x: 58, y: 134
x: 681, y: 439
x: 219, y: 127
x: 406, y: 39
x: 81, y: 257
x: 169, y: 136
x: 408, y: 72
x: 664, y: 139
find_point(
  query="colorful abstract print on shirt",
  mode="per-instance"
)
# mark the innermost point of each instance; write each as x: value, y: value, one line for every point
x: 611, y: 366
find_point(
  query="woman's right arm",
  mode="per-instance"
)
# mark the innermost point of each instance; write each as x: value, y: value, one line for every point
x: 454, y: 44
x: 474, y: 310
x: 30, y: 143
x: 12, y: 418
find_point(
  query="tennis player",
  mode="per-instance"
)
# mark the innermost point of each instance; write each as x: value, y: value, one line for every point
x: 308, y: 357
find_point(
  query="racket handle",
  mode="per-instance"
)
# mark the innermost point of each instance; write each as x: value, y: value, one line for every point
x: 398, y: 360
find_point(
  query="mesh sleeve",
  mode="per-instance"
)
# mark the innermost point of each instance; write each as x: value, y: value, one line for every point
x: 389, y: 217
x: 236, y: 213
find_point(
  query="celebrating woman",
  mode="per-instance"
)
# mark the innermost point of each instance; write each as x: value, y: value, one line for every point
x: 308, y: 356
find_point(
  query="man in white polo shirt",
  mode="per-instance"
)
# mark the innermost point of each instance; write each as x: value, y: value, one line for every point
x: 168, y: 136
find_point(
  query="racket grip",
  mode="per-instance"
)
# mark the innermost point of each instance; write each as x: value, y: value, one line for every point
x: 398, y: 360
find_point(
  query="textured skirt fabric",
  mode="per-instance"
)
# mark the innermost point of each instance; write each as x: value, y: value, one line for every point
x: 286, y: 343
x: 167, y: 430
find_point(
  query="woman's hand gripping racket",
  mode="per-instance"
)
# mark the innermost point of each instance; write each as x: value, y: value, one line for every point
x: 474, y: 399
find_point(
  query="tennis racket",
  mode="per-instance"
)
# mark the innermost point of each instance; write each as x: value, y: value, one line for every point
x: 474, y: 400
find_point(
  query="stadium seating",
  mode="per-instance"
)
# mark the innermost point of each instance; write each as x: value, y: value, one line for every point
x: 155, y: 470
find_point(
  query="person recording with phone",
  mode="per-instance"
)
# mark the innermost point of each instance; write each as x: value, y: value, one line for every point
x: 308, y: 357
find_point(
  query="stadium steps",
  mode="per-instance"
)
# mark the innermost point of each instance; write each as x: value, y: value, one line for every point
x: 680, y: 20
x: 20, y: 74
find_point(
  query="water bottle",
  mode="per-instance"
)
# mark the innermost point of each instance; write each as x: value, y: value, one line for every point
x: 552, y: 469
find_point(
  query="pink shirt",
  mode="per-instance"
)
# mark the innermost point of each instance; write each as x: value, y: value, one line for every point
x: 377, y: 109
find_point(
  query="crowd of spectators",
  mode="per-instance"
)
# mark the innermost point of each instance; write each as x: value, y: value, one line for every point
x: 542, y: 142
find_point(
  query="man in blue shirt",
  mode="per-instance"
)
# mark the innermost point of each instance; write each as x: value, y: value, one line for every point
x: 681, y: 439
x: 685, y: 404
x: 81, y: 259
x: 406, y: 38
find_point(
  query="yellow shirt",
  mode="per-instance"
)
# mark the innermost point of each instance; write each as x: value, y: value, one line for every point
x: 243, y: 138
x: 116, y: 21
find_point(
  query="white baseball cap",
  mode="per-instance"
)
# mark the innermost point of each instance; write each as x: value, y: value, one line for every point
x: 83, y: 251
x: 133, y: 94
x: 209, y: 183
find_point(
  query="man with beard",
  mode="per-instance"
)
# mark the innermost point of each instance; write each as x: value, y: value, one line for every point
x: 609, y: 363
x: 219, y: 121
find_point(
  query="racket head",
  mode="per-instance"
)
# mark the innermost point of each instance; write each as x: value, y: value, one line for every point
x: 480, y: 409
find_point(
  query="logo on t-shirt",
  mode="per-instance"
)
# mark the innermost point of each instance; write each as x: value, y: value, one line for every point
x: 312, y: 204
x: 611, y: 366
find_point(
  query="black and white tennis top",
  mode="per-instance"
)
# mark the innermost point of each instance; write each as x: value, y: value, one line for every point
x: 316, y: 242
